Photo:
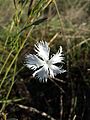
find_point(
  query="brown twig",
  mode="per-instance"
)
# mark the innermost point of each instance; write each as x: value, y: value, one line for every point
x: 62, y: 81
x: 57, y: 85
x: 34, y: 110
x: 61, y: 107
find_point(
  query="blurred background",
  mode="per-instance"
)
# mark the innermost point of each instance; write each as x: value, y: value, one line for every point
x: 59, y: 22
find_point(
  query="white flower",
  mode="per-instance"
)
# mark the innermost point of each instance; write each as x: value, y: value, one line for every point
x: 41, y: 64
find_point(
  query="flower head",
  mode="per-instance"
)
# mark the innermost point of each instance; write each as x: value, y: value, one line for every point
x: 42, y: 64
